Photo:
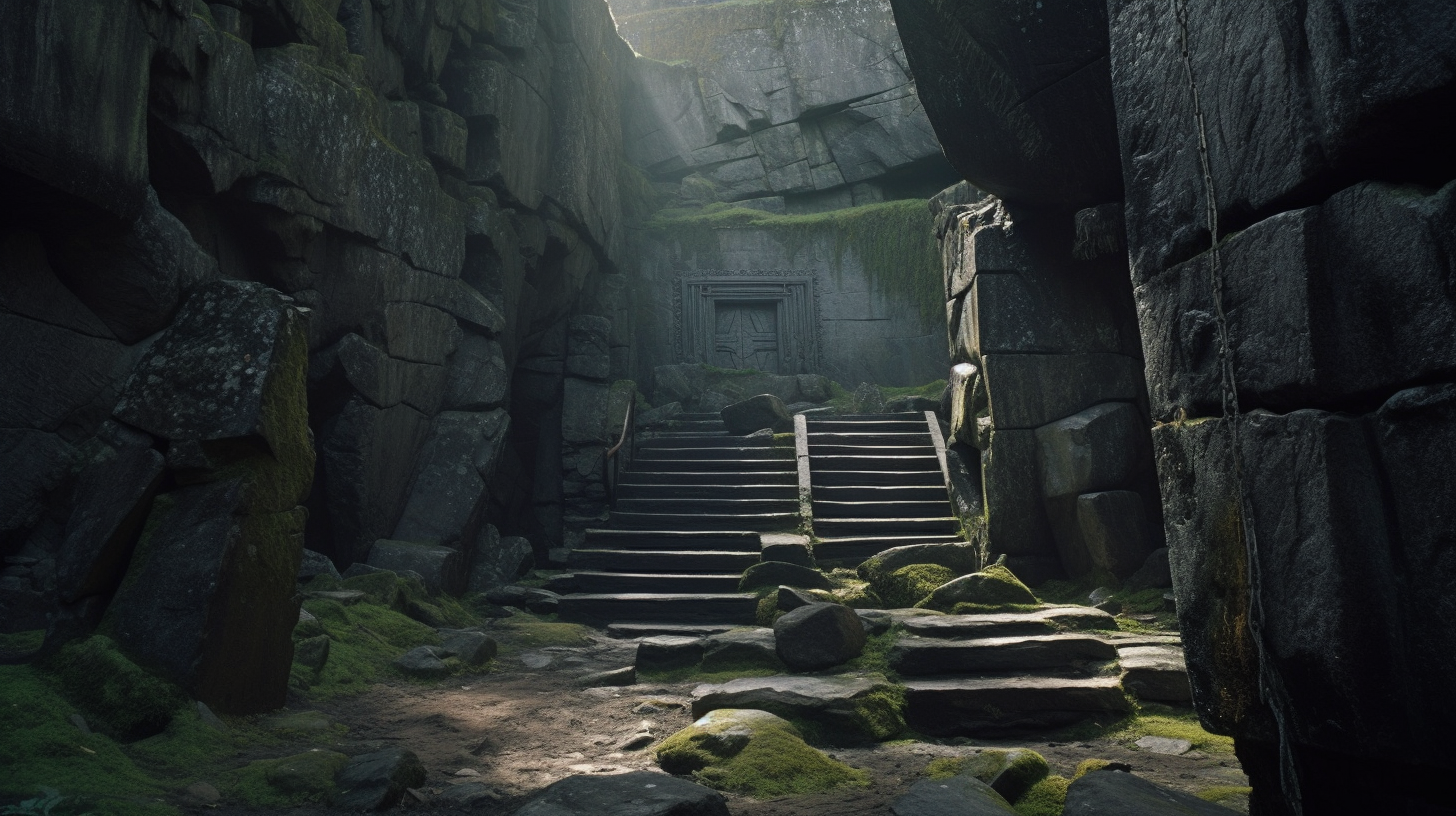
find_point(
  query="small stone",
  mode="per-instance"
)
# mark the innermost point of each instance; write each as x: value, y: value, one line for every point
x: 208, y: 718
x: 818, y: 636
x: 1100, y: 594
x: 536, y: 660
x: 472, y: 647
x: 636, y: 742
x: 422, y: 661
x: 378, y: 780
x: 1110, y: 607
x: 625, y: 676
x: 875, y: 621
x: 467, y: 772
x: 790, y: 599
x: 1165, y: 745
x: 80, y: 723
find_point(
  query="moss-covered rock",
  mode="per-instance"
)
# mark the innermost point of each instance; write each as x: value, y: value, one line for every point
x: 1047, y: 797
x: 1009, y: 773
x: 753, y: 753
x: 381, y: 587
x: 908, y: 586
x: 289, y: 781
x: 118, y: 697
x: 782, y: 573
x: 993, y: 587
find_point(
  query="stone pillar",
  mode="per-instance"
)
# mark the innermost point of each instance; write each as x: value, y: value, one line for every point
x: 1048, y: 386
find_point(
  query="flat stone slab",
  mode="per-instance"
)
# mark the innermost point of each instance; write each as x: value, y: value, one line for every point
x: 924, y: 656
x: 1114, y: 793
x: 1165, y: 745
x: 956, y: 796
x: 1155, y: 673
x: 649, y: 629
x: 1006, y: 624
x: 640, y: 793
x: 833, y: 700
x: 993, y: 706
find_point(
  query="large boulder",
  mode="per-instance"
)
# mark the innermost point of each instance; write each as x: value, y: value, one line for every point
x: 956, y: 796
x: 459, y: 456
x: 110, y: 501
x: 754, y: 753
x: 1020, y: 95
x: 782, y: 573
x: 1117, y: 793
x: 498, y: 560
x: 1115, y: 529
x: 993, y: 586
x: 1100, y: 448
x: 757, y: 413
x: 378, y: 780
x: 818, y: 636
x: 441, y: 568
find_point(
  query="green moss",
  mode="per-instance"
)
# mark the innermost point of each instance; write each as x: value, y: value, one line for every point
x: 39, y: 747
x: 286, y: 782
x: 876, y: 655
x: 893, y: 241
x: 989, y: 609
x: 1014, y: 772
x: 524, y: 631
x: 768, y: 609
x: 775, y: 761
x: 365, y: 639
x: 995, y: 586
x: 1087, y: 766
x: 1164, y: 721
x: 1224, y: 793
x: 118, y: 697
x: 783, y: 440
x: 944, y: 767
x: 931, y: 390
x: 15, y: 644
x: 1046, y: 798
x: 909, y: 585
x: 881, y: 712
x: 382, y: 588
x: 722, y: 674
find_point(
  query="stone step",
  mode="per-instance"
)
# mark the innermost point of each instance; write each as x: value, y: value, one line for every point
x: 877, y: 478
x: 872, y: 438
x: 765, y: 522
x: 913, y: 655
x: 896, y: 451
x: 839, y: 527
x: 1010, y: 624
x: 654, y: 434
x: 700, y: 416
x: 881, y: 509
x: 1003, y: 706
x: 898, y: 416
x: 687, y: 440
x: 872, y: 493
x: 724, y: 506
x: 606, y: 583
x: 708, y: 491
x: 718, y: 477
x: 697, y: 465
x: 681, y: 608
x: 1156, y: 673
x: 643, y: 629
x: 673, y: 540
x: 817, y: 426
x: 692, y: 422
x: 851, y: 551
x: 646, y: 456
x: 863, y: 463
x: 661, y: 562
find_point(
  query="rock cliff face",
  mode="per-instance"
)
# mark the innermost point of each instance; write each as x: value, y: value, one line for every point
x: 808, y: 106
x: 1287, y: 188
x: 282, y: 272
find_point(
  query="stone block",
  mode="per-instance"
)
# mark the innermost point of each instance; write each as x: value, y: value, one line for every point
x: 442, y: 568
x: 1016, y: 523
x: 383, y: 380
x: 1031, y: 390
x: 368, y: 457
x: 818, y: 636
x: 757, y: 413
x: 419, y: 333
x: 108, y: 504
x: 1324, y: 304
x: 785, y: 547
x: 449, y: 488
x: 476, y: 377
x: 443, y: 136
x: 498, y: 560
x: 967, y: 403
x: 208, y: 600
x: 1115, y: 530
x: 57, y: 378
x: 1365, y: 78
x: 584, y: 413
x: 1103, y: 447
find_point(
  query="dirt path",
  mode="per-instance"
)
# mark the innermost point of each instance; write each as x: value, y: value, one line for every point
x: 529, y: 723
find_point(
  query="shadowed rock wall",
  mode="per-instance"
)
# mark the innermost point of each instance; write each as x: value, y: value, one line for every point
x: 279, y: 273
x: 1288, y: 225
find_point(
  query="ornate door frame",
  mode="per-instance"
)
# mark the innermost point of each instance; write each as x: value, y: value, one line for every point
x: 793, y: 294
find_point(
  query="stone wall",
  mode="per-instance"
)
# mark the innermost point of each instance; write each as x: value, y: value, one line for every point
x: 784, y: 104
x: 852, y: 294
x: 1286, y: 188
x: 294, y: 273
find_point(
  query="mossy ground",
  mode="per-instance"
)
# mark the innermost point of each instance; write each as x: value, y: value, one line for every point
x: 117, y: 696
x: 1150, y: 720
x: 1046, y: 798
x: 524, y: 631
x: 15, y: 644
x: 776, y: 761
x: 1142, y: 602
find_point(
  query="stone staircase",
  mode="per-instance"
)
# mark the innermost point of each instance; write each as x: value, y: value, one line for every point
x: 684, y: 527
x: 877, y: 483
x: 993, y: 675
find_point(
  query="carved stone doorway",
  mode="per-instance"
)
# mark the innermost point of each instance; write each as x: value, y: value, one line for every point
x: 746, y: 335
x: 761, y: 320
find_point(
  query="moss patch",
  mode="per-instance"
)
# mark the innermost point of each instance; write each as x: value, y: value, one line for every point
x: 16, y: 644
x: 524, y: 631
x: 1087, y: 766
x: 364, y: 640
x: 994, y: 586
x: 909, y: 585
x: 286, y: 782
x: 118, y: 697
x: 1046, y: 798
x: 1014, y: 772
x: 1224, y: 793
x: 753, y: 753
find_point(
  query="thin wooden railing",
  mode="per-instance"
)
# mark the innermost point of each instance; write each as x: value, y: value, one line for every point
x: 614, y: 455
